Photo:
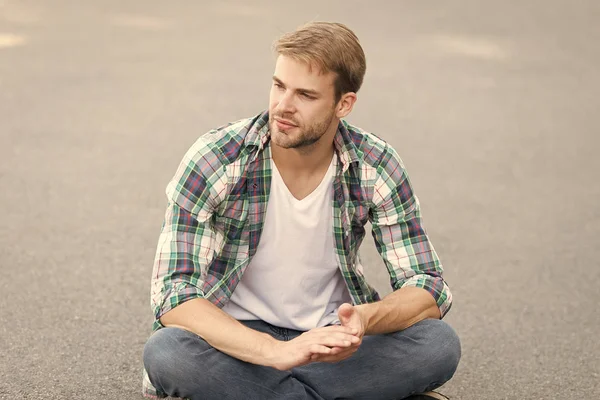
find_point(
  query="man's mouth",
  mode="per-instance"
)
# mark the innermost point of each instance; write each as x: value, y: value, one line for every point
x: 284, y: 124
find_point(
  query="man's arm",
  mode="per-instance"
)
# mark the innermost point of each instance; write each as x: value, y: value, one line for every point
x: 187, y: 239
x: 185, y: 247
x: 415, y: 270
x: 398, y: 311
x: 221, y: 331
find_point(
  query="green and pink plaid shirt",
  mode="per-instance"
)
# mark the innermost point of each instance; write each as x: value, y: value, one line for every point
x: 217, y: 202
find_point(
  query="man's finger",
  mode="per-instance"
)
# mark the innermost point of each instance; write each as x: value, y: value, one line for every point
x: 338, y: 340
x: 317, y: 349
x: 337, y: 350
x: 337, y: 328
x: 336, y: 354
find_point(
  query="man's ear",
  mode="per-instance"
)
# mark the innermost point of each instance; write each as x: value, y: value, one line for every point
x: 345, y: 105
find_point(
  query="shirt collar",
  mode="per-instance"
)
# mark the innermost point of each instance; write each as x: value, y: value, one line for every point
x: 258, y: 133
x: 344, y: 146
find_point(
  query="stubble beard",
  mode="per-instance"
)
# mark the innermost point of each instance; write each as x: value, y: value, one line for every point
x: 305, y: 138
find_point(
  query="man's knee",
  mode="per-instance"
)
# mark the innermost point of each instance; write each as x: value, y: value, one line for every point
x: 440, y: 350
x: 165, y: 354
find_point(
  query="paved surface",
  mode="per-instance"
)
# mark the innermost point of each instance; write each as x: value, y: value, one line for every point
x: 493, y: 106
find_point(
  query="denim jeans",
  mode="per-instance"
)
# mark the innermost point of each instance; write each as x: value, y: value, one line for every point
x: 391, y: 366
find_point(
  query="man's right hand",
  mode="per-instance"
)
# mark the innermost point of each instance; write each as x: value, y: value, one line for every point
x: 285, y: 355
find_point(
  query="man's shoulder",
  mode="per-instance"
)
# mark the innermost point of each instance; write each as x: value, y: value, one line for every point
x: 372, y: 150
x: 226, y: 143
x: 214, y: 161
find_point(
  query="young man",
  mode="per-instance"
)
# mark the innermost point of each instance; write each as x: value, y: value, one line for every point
x: 257, y: 287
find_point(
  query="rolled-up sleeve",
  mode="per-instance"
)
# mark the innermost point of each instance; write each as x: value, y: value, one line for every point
x: 186, y: 243
x: 399, y: 235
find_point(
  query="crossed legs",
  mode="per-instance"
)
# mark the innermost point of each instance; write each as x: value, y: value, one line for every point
x: 391, y: 366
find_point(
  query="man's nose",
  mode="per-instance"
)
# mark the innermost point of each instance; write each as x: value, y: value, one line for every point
x: 285, y: 104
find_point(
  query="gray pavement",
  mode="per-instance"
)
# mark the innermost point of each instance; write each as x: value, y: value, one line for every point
x: 493, y: 105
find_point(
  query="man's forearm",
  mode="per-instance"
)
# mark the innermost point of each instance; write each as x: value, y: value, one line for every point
x: 221, y: 331
x: 398, y: 311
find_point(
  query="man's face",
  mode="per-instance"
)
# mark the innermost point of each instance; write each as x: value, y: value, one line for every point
x: 301, y: 103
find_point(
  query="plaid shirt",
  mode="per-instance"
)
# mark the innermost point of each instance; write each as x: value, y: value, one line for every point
x: 217, y: 202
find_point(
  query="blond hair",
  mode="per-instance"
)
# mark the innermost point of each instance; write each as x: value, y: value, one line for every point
x: 330, y: 46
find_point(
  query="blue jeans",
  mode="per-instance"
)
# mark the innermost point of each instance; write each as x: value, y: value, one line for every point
x: 391, y: 366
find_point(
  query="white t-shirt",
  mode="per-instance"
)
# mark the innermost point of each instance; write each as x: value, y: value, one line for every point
x: 293, y: 281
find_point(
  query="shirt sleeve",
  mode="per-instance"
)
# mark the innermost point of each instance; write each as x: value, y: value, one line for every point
x: 186, y: 243
x: 399, y: 235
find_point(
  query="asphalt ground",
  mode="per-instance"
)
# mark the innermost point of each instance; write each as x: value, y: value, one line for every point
x: 493, y: 106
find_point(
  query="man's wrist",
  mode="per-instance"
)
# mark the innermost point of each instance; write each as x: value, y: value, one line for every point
x: 268, y: 350
x: 364, y: 312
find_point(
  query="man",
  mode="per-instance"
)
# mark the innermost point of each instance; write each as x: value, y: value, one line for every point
x: 257, y: 287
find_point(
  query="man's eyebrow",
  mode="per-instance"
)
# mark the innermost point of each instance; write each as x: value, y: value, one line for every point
x: 303, y: 91
x: 308, y: 91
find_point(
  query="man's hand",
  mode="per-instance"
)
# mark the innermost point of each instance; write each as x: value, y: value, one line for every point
x: 350, y: 317
x: 329, y: 340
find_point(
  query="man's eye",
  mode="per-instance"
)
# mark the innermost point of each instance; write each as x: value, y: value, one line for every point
x: 277, y: 85
x: 307, y: 96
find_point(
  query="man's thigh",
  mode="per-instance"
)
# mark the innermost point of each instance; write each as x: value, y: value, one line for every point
x: 181, y: 364
x: 391, y: 366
